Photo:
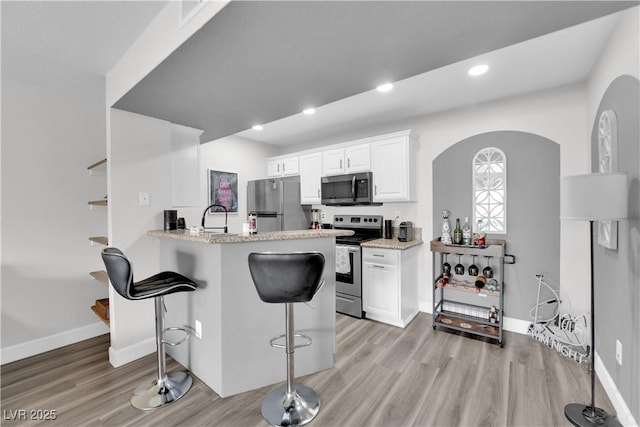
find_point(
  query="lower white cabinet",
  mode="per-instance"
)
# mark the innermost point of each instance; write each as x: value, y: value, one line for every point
x: 390, y: 285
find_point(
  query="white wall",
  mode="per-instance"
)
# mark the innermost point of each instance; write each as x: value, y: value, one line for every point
x: 557, y: 114
x: 48, y: 140
x: 139, y: 153
x: 621, y: 57
x: 230, y: 154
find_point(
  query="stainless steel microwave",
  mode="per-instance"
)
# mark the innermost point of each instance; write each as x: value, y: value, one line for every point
x: 345, y: 190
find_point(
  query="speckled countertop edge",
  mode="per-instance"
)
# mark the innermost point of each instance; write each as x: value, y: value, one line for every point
x: 391, y: 244
x: 219, y: 238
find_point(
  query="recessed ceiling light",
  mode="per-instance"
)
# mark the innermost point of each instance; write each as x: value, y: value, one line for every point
x: 385, y: 87
x: 309, y: 111
x: 478, y: 70
x: 257, y: 127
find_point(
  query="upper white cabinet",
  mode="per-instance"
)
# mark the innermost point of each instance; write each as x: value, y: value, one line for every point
x: 310, y: 173
x: 393, y: 167
x: 282, y: 166
x: 351, y: 159
x: 390, y: 157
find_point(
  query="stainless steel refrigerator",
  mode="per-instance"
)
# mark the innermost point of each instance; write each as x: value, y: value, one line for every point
x: 276, y: 201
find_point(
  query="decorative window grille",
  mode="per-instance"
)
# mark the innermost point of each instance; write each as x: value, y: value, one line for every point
x: 490, y: 190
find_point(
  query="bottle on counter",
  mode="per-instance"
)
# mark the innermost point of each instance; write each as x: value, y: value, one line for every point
x: 253, y: 223
x: 457, y: 233
x: 445, y: 228
x: 466, y: 232
x: 479, y: 237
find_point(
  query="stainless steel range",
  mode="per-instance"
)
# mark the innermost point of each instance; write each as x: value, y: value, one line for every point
x: 349, y: 259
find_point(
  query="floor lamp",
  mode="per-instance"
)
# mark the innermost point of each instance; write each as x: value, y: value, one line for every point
x: 592, y: 197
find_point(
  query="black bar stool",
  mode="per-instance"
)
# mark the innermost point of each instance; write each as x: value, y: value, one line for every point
x: 287, y: 278
x: 168, y: 387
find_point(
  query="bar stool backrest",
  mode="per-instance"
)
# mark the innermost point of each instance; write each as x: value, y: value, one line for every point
x: 286, y: 277
x: 119, y: 271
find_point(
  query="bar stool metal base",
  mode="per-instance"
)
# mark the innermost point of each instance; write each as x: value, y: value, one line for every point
x: 296, y: 410
x: 160, y: 393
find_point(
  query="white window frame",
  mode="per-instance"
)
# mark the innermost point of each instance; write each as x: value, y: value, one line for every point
x: 490, y: 229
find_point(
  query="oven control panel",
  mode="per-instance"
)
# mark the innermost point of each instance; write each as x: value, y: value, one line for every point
x: 357, y: 221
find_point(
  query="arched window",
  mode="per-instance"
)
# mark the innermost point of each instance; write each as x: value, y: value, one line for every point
x: 490, y: 190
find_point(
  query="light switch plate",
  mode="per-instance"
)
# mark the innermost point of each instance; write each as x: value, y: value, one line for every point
x: 144, y: 198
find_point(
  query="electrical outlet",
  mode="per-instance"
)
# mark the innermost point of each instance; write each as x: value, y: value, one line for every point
x: 198, y: 329
x: 619, y: 352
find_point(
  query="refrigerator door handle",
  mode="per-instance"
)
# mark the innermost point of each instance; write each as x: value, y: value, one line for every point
x: 266, y: 214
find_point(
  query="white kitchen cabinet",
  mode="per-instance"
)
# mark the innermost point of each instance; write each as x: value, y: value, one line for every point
x: 389, y: 285
x: 310, y: 173
x: 350, y: 159
x: 393, y: 167
x: 282, y: 166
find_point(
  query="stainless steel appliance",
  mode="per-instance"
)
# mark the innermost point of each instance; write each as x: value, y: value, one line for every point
x: 405, y: 232
x: 276, y: 202
x: 349, y: 259
x: 345, y: 190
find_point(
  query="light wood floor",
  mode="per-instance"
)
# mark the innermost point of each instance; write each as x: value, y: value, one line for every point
x: 384, y: 376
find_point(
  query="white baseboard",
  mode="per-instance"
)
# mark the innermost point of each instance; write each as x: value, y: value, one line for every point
x: 40, y: 345
x: 622, y: 410
x: 130, y: 353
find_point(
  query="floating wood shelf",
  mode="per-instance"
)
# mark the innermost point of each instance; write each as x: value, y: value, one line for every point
x: 101, y: 240
x: 101, y: 202
x: 97, y: 164
x: 101, y: 276
x: 97, y: 312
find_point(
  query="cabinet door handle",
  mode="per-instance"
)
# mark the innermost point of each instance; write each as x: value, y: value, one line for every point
x: 278, y: 167
x: 378, y: 255
x: 283, y: 168
x: 340, y: 163
x: 378, y: 266
x: 318, y: 192
x: 375, y: 189
x: 349, y: 162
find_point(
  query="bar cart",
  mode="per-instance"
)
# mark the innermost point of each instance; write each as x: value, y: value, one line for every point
x: 458, y: 303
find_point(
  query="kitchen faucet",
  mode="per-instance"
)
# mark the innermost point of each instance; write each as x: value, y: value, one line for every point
x: 204, y: 215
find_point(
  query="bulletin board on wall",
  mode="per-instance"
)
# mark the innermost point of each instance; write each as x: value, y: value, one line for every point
x: 223, y: 190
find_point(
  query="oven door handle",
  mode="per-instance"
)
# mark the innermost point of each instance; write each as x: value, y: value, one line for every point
x: 350, y: 248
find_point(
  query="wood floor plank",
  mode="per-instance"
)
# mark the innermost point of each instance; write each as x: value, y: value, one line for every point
x: 528, y: 397
x: 383, y: 376
x: 447, y: 395
x: 401, y: 405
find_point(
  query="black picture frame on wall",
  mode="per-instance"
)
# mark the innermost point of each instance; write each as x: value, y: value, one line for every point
x: 223, y: 190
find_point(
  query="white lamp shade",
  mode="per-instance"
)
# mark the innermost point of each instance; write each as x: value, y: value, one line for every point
x: 594, y: 197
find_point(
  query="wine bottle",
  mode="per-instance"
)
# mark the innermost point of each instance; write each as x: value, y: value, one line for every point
x: 466, y: 232
x: 457, y: 233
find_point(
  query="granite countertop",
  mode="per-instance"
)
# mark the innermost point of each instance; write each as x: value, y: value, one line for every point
x: 391, y: 244
x: 218, y: 238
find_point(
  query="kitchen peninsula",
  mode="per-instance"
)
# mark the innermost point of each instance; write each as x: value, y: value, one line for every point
x: 233, y: 354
